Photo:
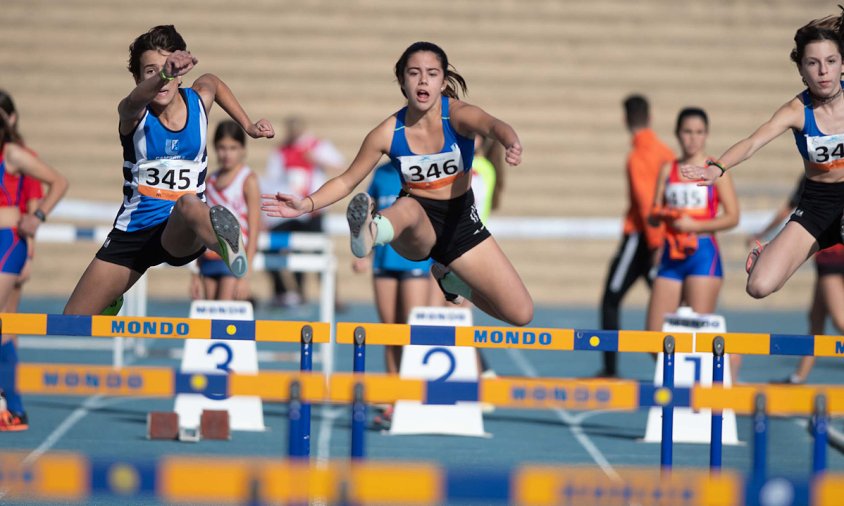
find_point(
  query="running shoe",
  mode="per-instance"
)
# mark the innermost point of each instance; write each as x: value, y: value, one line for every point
x: 384, y: 419
x: 441, y: 272
x: 114, y: 307
x: 13, y: 422
x: 754, y: 254
x: 230, y: 239
x: 359, y: 214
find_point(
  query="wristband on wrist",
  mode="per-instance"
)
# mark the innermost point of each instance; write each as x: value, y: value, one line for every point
x: 40, y: 215
x: 313, y: 205
x: 716, y: 164
x: 165, y: 76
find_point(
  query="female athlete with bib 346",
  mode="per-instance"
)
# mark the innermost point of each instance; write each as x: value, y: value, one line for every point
x: 430, y: 142
x: 164, y: 217
x: 816, y: 117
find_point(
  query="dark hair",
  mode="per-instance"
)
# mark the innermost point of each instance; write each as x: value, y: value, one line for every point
x: 691, y: 112
x: 829, y: 28
x: 637, y: 111
x: 452, y: 79
x: 159, y: 38
x: 229, y: 128
x: 8, y: 131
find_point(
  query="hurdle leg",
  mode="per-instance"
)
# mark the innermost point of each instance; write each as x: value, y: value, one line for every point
x: 716, y: 441
x: 819, y: 431
x: 306, y: 365
x: 760, y: 437
x: 359, y: 362
x: 358, y: 423
x: 666, y: 453
x: 294, y: 417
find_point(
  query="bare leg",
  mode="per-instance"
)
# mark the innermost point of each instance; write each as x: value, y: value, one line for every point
x: 189, y: 228
x: 225, y: 288
x: 665, y: 298
x: 101, y: 283
x: 780, y: 259
x: 414, y: 235
x: 817, y: 324
x: 386, y: 302
x: 210, y: 285
x: 12, y: 304
x: 496, y: 287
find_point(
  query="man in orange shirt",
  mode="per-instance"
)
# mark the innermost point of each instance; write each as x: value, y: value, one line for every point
x: 639, y: 247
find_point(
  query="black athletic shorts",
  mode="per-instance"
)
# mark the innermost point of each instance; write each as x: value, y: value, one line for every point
x: 456, y: 223
x: 141, y: 249
x: 819, y: 211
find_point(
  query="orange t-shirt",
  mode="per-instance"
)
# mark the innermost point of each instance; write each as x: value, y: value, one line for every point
x: 644, y: 162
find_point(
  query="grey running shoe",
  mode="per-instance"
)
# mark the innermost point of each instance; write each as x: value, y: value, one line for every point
x: 359, y: 214
x: 230, y: 239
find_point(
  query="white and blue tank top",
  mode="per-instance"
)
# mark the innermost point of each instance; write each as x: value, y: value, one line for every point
x: 821, y: 151
x: 160, y: 165
x: 436, y: 170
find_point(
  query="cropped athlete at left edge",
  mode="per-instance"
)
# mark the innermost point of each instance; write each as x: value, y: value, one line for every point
x: 164, y: 217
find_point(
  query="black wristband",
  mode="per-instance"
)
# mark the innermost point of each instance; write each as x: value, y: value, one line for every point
x: 717, y: 164
x: 40, y: 215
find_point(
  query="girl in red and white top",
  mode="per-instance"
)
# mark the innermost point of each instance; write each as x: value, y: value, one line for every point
x: 235, y: 187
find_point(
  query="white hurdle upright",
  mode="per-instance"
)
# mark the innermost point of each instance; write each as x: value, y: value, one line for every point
x: 310, y: 252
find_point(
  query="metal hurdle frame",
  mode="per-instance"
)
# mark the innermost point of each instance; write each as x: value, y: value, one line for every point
x: 602, y: 340
x: 318, y: 257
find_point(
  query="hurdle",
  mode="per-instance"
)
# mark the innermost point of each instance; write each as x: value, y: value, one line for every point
x: 304, y: 333
x: 249, y: 480
x: 358, y: 390
x: 308, y: 252
x: 360, y: 334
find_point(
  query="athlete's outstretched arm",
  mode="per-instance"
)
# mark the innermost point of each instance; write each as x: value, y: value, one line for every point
x: 472, y: 120
x: 131, y: 109
x: 376, y: 144
x: 212, y: 89
x: 788, y: 116
x: 20, y: 160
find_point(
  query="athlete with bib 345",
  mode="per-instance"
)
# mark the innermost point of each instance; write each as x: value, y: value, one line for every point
x: 430, y: 142
x: 164, y: 217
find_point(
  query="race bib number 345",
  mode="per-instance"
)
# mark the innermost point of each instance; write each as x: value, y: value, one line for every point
x: 431, y: 171
x: 168, y: 179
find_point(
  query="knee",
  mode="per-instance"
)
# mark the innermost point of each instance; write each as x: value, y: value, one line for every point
x: 522, y: 315
x: 186, y: 203
x: 759, y: 287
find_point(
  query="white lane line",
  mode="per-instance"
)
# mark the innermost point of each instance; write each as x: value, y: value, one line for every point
x: 572, y: 421
x: 79, y: 413
x: 54, y: 437
x: 329, y: 414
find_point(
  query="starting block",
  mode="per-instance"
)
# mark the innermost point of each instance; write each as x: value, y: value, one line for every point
x: 214, y: 424
x: 164, y: 426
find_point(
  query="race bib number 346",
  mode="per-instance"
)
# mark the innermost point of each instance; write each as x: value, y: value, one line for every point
x: 431, y: 171
x: 168, y: 179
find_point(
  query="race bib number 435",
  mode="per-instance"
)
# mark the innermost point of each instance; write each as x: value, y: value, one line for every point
x: 431, y: 171
x: 686, y: 196
x: 168, y: 179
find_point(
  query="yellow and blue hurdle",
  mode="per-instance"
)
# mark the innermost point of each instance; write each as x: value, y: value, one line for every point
x: 362, y: 389
x: 360, y: 334
x: 304, y: 333
x: 246, y: 480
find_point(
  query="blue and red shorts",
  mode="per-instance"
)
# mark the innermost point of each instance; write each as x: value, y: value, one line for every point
x: 12, y: 251
x: 706, y: 261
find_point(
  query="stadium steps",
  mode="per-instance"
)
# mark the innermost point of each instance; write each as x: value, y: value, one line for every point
x: 555, y: 70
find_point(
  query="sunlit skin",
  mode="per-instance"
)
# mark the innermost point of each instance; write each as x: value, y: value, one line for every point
x: 423, y: 81
x: 820, y: 68
x: 698, y: 292
x: 188, y: 226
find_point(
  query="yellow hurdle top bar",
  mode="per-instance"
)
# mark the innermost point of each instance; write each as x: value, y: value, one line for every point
x: 240, y: 480
x: 514, y: 337
x: 162, y: 328
x: 518, y: 393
